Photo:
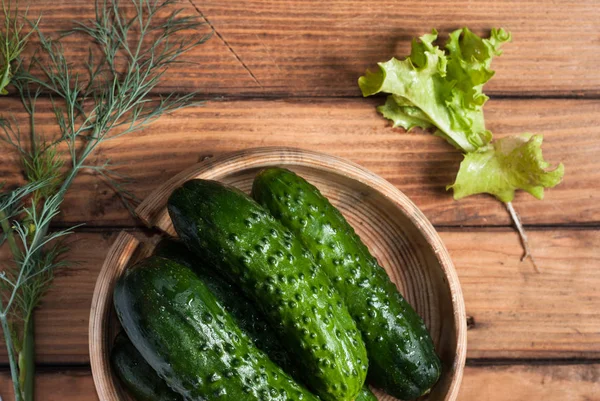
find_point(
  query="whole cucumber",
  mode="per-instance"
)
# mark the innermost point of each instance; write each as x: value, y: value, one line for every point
x: 249, y: 319
x: 272, y: 268
x: 140, y: 380
x: 402, y: 358
x: 190, y: 340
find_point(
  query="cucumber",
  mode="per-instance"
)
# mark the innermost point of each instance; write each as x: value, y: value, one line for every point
x: 272, y: 268
x: 402, y: 358
x: 248, y: 318
x: 140, y: 380
x: 189, y: 339
x: 366, y: 395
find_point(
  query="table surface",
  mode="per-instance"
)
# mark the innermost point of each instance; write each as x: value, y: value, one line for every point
x: 284, y: 73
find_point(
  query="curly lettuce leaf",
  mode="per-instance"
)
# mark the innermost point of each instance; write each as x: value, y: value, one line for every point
x: 406, y: 116
x: 442, y: 89
x: 469, y: 60
x: 508, y: 164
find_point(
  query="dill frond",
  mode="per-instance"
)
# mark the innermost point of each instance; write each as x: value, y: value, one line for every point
x: 12, y: 40
x: 112, y: 100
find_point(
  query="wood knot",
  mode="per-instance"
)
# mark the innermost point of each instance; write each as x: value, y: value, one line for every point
x: 470, y: 322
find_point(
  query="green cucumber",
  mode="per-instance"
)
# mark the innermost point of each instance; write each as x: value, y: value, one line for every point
x: 191, y: 341
x: 272, y: 268
x: 249, y: 319
x: 402, y: 358
x: 366, y: 395
x: 140, y: 380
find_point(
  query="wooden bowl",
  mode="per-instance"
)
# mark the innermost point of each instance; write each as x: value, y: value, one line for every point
x: 394, y: 229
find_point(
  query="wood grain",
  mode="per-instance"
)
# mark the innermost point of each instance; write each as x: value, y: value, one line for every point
x: 211, y: 66
x: 516, y: 313
x: 305, y: 48
x: 488, y: 383
x: 529, y: 383
x: 419, y: 164
x: 62, y: 319
x: 56, y: 385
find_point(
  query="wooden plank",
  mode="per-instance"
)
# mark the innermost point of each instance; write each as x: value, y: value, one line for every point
x: 527, y: 383
x: 212, y: 65
x: 56, y: 385
x: 516, y: 313
x: 62, y: 319
x: 318, y: 50
x: 489, y: 383
x: 304, y: 48
x: 419, y: 164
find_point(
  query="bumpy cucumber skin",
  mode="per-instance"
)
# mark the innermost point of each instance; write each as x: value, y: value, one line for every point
x: 366, y: 394
x: 402, y: 358
x: 140, y: 380
x: 272, y: 268
x: 191, y: 341
x: 249, y: 319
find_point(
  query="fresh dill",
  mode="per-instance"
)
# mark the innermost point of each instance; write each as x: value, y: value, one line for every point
x: 137, y: 44
x: 12, y: 41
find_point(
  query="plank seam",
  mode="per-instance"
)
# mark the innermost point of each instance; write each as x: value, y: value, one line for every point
x: 237, y: 57
x: 484, y: 362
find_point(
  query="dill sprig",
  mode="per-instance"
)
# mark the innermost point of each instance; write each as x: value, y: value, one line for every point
x: 112, y: 99
x: 12, y: 41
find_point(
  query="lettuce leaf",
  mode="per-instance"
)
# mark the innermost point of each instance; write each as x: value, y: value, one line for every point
x: 508, y: 164
x: 442, y: 89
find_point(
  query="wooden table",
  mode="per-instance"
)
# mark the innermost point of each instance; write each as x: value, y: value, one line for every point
x: 284, y: 73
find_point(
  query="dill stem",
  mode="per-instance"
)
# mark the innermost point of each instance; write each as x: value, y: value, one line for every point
x: 14, y: 371
x: 11, y: 355
x: 23, y: 369
x: 27, y: 360
x: 64, y: 187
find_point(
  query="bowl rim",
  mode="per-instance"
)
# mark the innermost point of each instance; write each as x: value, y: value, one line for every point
x: 152, y: 211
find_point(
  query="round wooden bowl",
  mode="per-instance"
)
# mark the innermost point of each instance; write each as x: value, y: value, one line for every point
x: 393, y: 228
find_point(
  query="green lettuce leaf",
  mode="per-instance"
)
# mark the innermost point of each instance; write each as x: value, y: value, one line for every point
x: 508, y: 164
x: 406, y: 116
x: 442, y: 89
